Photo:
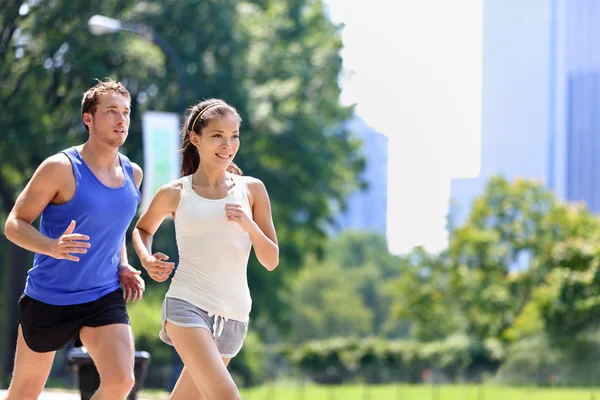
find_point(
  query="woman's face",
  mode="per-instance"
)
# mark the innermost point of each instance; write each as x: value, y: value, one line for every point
x: 219, y: 141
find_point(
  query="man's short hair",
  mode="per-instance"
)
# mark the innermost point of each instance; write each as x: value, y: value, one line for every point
x: 91, y: 97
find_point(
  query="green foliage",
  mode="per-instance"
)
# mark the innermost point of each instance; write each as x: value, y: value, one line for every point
x: 354, y: 250
x: 372, y: 360
x: 431, y: 315
x: 570, y: 300
x: 250, y: 366
x: 524, y: 270
x: 366, y: 258
x: 146, y: 323
x: 347, y: 293
x: 508, y: 231
x: 538, y: 360
x: 327, y: 303
x: 146, y: 315
x: 530, y: 360
x: 521, y: 258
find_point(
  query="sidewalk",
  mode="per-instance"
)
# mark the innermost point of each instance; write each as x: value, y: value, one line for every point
x: 54, y: 394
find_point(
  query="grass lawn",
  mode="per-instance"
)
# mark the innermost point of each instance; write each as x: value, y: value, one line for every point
x: 420, y: 392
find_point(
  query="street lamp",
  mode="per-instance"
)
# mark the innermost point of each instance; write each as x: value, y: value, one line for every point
x: 101, y: 25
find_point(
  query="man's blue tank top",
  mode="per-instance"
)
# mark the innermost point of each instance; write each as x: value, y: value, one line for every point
x: 102, y: 213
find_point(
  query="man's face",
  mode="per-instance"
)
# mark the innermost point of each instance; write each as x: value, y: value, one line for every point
x: 110, y: 122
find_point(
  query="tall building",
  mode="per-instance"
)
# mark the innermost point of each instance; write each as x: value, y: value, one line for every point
x: 540, y: 99
x: 367, y: 210
x: 577, y: 155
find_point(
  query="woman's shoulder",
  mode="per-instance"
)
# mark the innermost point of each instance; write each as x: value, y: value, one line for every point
x: 172, y: 188
x: 253, y: 184
x: 249, y: 180
x: 255, y: 188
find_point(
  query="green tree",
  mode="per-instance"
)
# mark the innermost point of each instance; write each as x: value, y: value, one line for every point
x: 495, y: 261
x: 348, y: 292
x: 569, y: 301
x: 353, y: 249
x: 366, y: 255
x: 327, y: 303
x: 500, y: 252
x: 422, y: 296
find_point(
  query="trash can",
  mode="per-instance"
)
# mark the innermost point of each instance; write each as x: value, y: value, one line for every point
x: 80, y: 363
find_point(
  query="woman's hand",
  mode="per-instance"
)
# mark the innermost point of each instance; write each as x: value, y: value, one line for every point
x: 235, y: 213
x: 157, y: 268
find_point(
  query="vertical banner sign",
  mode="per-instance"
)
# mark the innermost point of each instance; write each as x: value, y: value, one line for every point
x: 162, y: 161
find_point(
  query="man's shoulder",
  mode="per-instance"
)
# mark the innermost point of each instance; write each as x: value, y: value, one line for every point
x: 138, y: 174
x: 136, y: 168
x: 56, y: 163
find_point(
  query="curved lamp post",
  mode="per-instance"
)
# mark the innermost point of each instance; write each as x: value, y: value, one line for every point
x: 101, y: 25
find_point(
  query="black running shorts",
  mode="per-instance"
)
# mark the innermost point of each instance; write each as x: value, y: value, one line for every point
x: 48, y: 327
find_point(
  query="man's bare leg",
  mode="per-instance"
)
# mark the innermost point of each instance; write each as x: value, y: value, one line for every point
x: 111, y: 348
x: 30, y: 373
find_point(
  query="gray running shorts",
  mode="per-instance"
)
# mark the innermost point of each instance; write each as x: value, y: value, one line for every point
x: 229, y: 334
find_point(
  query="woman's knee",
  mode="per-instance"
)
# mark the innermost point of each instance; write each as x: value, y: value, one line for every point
x: 229, y: 392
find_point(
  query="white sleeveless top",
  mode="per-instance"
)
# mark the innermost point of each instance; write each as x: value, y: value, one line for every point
x: 213, y: 253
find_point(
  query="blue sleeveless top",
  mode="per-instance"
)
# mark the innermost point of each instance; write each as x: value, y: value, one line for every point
x: 100, y: 212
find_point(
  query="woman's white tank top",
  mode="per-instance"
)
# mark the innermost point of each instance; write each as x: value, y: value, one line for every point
x: 213, y: 253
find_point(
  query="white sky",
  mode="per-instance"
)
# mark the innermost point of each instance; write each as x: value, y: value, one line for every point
x: 413, y: 67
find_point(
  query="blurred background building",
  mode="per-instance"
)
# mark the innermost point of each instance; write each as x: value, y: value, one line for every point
x: 540, y: 99
x: 367, y: 209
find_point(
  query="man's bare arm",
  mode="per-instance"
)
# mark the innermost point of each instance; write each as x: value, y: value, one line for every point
x: 41, y: 190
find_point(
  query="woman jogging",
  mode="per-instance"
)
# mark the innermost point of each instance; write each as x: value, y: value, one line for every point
x: 219, y: 216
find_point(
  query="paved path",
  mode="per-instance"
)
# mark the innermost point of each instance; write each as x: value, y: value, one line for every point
x: 52, y: 395
x: 57, y: 395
